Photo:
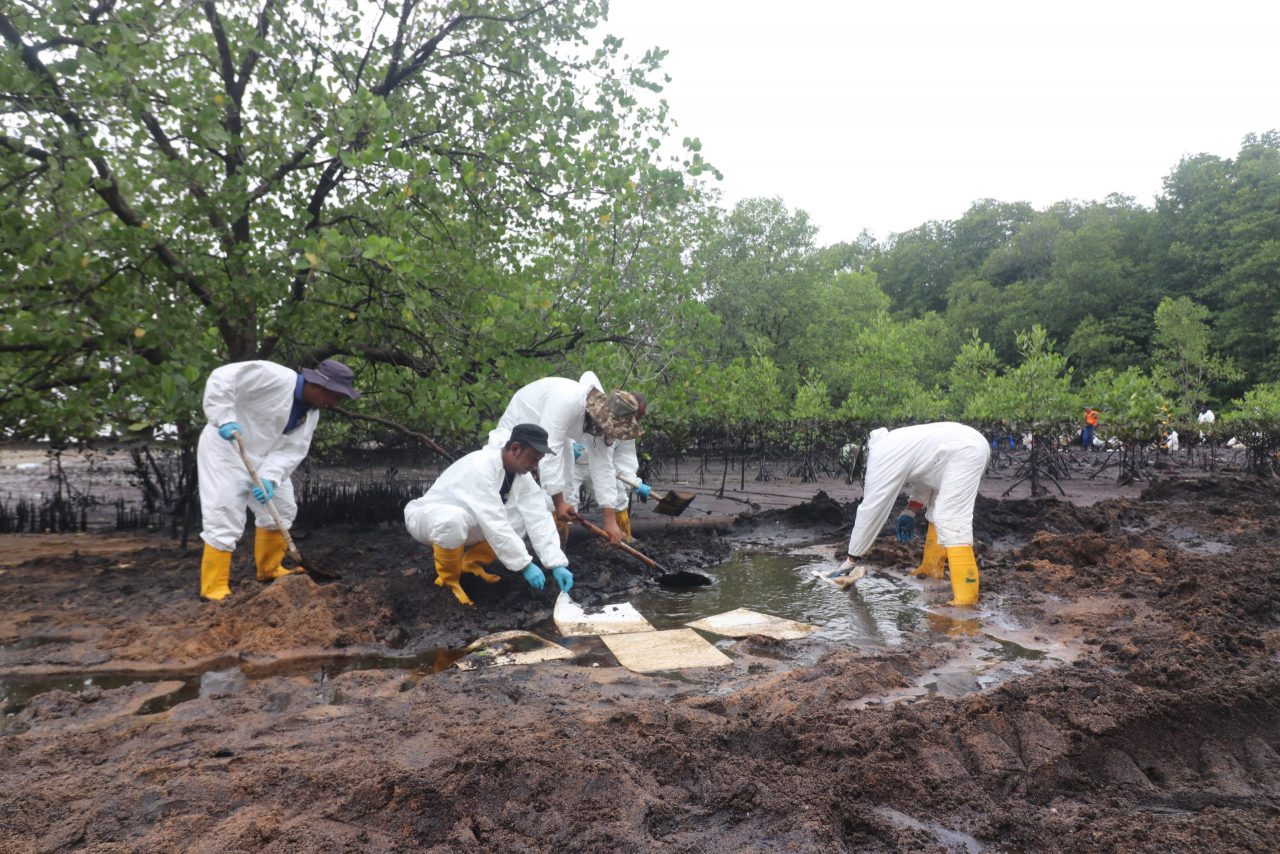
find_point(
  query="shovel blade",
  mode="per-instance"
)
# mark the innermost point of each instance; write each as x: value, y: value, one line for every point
x: 318, y: 572
x: 674, y: 503
x: 683, y: 578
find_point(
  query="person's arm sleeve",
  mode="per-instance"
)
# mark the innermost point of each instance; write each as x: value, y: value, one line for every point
x: 625, y: 460
x: 289, y: 451
x: 873, y: 512
x: 538, y: 522
x: 556, y: 472
x: 491, y: 514
x: 220, y: 392
x: 921, y: 493
x: 604, y: 480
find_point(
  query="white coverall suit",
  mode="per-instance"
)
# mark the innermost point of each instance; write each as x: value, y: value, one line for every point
x: 626, y: 464
x: 464, y: 508
x: 943, y: 464
x: 258, y: 396
x: 558, y: 405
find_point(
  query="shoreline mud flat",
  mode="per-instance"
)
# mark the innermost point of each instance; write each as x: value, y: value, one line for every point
x: 283, y: 719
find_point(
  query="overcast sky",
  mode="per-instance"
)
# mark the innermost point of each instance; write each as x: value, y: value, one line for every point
x: 886, y: 115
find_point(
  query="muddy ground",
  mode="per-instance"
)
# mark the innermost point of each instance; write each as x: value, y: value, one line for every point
x: 1163, y: 735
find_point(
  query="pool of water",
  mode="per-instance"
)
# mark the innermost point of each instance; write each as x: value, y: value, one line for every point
x: 17, y: 693
x: 880, y: 611
x: 877, y: 611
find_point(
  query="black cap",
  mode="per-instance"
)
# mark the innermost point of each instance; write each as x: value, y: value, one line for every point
x: 531, y: 436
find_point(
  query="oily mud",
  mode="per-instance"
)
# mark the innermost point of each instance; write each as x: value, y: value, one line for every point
x: 1162, y: 735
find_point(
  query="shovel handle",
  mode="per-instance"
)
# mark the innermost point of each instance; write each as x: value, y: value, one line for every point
x: 275, y: 514
x: 599, y: 532
x: 631, y: 482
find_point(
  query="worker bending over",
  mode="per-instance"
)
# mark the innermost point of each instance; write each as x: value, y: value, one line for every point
x: 942, y: 464
x: 481, y: 508
x: 274, y: 412
x: 576, y: 411
x: 626, y: 463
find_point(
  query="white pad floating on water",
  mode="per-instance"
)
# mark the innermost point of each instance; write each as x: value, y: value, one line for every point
x: 673, y: 649
x: 743, y: 622
x: 572, y: 620
x: 841, y: 581
x: 507, y: 648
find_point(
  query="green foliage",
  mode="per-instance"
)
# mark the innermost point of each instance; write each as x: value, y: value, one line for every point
x: 973, y: 372
x: 1100, y: 345
x: 454, y: 200
x: 1254, y: 420
x: 1131, y: 406
x: 1035, y: 396
x: 1218, y: 229
x: 762, y: 278
x: 846, y: 305
x: 1259, y: 404
x: 1185, y: 368
x: 886, y: 378
x: 812, y: 403
x: 460, y: 201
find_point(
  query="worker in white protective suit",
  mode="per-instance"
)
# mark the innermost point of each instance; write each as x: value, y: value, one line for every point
x: 942, y: 465
x: 481, y: 508
x: 626, y: 470
x: 1205, y: 419
x: 576, y: 411
x: 274, y: 411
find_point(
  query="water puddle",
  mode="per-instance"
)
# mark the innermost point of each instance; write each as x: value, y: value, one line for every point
x: 33, y: 642
x: 950, y: 840
x: 1192, y: 541
x: 1007, y: 650
x: 17, y: 693
x: 880, y: 612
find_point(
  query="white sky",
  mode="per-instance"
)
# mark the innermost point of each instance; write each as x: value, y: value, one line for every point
x: 886, y: 115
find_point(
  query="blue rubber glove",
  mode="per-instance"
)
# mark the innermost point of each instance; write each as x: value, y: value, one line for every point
x: 578, y: 448
x: 534, y: 575
x: 227, y: 430
x: 643, y: 491
x: 264, y: 494
x: 563, y: 577
x: 843, y: 569
x: 905, y: 528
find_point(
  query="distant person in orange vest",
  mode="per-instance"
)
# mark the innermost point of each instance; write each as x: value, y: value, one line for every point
x: 1090, y: 424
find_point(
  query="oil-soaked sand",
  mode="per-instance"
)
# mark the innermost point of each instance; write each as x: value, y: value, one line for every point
x: 1162, y: 736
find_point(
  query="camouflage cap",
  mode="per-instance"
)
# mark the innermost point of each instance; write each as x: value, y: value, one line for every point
x: 617, y: 413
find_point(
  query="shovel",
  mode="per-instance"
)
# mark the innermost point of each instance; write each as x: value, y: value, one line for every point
x: 667, y: 578
x: 671, y: 504
x: 312, y: 569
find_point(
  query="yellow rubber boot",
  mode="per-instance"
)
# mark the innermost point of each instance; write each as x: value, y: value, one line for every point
x: 623, y: 518
x: 474, y: 559
x: 964, y: 575
x: 934, y: 563
x: 215, y: 571
x: 449, y: 570
x: 268, y: 551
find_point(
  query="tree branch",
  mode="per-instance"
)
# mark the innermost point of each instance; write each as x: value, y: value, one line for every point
x: 19, y: 147
x: 400, y: 428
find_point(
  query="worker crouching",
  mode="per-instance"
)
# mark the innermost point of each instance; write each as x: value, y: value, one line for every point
x: 481, y: 508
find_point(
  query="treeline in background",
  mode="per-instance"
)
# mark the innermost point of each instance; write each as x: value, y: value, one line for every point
x: 459, y: 201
